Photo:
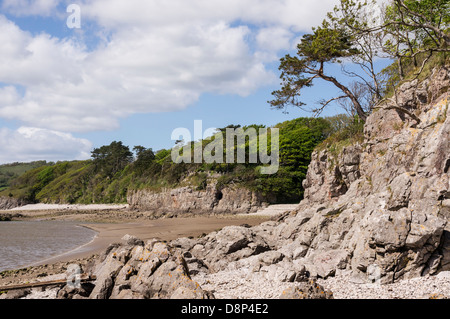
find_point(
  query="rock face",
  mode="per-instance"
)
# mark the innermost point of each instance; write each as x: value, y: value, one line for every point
x: 10, y: 203
x: 188, y: 200
x: 385, y: 202
x: 329, y: 177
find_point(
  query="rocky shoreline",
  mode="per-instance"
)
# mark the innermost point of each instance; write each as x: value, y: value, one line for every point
x: 236, y: 262
x: 133, y: 269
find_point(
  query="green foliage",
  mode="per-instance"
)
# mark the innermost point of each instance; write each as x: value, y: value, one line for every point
x: 144, y: 158
x: 162, y: 156
x: 36, y: 184
x: 8, y: 172
x: 410, y: 32
x: 418, y: 25
x: 110, y: 159
x: 346, y: 131
x: 328, y: 43
x: 100, y: 181
x: 410, y: 71
x: 298, y: 138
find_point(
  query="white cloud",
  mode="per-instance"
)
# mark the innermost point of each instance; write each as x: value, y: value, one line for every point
x: 155, y: 56
x: 139, y: 70
x: 298, y: 14
x: 152, y: 56
x: 28, y: 144
x: 274, y: 38
x: 30, y: 7
x: 161, y: 56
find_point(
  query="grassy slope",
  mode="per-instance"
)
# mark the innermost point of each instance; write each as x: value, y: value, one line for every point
x: 8, y: 172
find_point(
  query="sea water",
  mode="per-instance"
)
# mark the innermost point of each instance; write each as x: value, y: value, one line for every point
x: 23, y: 243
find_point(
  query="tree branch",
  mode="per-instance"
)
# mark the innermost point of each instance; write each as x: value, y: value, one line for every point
x: 325, y: 103
x: 358, y: 108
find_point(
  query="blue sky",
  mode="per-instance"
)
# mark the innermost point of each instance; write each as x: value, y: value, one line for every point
x: 136, y: 70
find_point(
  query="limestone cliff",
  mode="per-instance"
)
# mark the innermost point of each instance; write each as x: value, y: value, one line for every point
x: 379, y: 208
x: 10, y: 203
x: 384, y: 204
x: 185, y: 200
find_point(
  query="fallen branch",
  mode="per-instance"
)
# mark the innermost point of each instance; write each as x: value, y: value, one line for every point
x: 61, y: 282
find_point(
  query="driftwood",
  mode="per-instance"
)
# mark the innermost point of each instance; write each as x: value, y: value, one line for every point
x: 83, y: 278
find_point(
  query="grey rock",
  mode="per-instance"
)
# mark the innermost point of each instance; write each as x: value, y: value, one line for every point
x: 327, y: 262
x: 230, y: 244
x: 16, y: 294
x: 153, y: 270
x: 407, y: 94
x: 106, y: 273
x: 294, y: 250
x: 172, y: 280
x: 400, y: 190
x: 270, y: 257
x: 280, y: 272
x: 388, y: 229
x: 382, y: 204
x: 132, y: 240
x: 306, y: 290
x: 7, y: 203
x: 445, y: 252
x: 73, y: 292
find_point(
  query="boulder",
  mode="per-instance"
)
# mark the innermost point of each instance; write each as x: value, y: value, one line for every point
x: 141, y: 271
x: 132, y: 240
x: 16, y: 294
x: 306, y: 290
x: 229, y: 244
x: 106, y: 274
x: 326, y: 263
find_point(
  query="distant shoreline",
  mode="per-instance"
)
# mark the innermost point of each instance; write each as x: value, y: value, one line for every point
x: 90, y: 207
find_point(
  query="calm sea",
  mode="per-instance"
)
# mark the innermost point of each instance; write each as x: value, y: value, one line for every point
x: 28, y: 242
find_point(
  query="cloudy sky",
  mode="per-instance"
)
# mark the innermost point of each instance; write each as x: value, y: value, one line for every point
x: 137, y: 69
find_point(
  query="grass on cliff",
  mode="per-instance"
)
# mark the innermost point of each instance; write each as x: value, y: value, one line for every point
x: 413, y: 70
x: 348, y: 131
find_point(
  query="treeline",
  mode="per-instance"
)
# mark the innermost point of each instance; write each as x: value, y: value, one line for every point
x: 115, y: 168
